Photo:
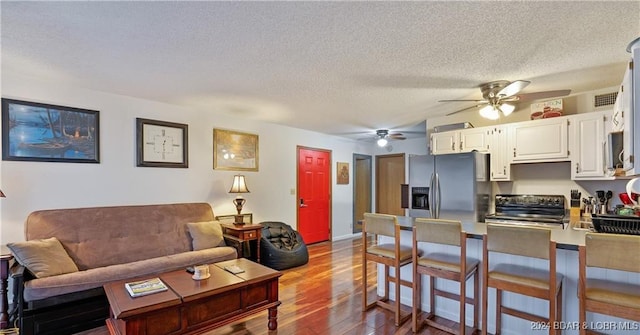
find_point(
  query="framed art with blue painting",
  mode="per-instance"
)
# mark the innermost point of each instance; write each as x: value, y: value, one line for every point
x: 34, y: 131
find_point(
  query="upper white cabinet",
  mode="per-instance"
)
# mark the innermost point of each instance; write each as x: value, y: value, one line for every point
x: 464, y: 140
x: 444, y: 143
x: 626, y: 102
x: 474, y: 139
x: 589, y: 145
x: 539, y: 141
x: 499, y: 148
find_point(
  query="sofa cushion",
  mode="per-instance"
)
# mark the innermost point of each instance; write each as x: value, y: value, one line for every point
x: 43, y: 257
x: 42, y: 288
x: 206, y: 234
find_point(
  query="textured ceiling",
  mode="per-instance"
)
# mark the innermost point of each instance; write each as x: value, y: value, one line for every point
x: 333, y: 67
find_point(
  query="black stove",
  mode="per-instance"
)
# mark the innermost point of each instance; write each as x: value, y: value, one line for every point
x: 530, y: 209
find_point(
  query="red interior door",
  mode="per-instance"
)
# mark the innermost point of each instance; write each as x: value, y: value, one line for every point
x: 314, y: 197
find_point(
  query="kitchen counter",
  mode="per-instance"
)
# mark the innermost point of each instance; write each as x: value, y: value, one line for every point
x: 569, y: 238
x: 567, y: 241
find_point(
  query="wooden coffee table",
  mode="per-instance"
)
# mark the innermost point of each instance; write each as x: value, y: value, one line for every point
x: 195, y: 306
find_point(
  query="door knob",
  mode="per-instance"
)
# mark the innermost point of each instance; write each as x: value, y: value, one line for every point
x: 302, y: 203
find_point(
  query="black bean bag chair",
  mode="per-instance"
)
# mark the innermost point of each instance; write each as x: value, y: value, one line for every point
x: 281, y: 247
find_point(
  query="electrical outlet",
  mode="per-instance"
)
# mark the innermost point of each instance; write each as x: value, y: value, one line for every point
x: 293, y: 191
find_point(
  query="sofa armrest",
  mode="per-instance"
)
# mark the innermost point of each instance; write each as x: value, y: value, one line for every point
x: 18, y: 274
x: 234, y: 242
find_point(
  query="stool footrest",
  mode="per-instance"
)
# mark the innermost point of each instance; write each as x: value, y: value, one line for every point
x: 434, y: 321
x: 522, y: 315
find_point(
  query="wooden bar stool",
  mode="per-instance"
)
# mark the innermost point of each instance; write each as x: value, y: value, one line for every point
x: 391, y: 255
x: 456, y: 267
x: 608, y: 251
x: 525, y: 241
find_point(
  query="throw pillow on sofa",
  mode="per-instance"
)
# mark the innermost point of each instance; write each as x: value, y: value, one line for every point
x: 205, y: 235
x: 44, y: 257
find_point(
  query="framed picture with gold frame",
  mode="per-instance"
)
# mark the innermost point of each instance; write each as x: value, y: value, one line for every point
x: 234, y: 150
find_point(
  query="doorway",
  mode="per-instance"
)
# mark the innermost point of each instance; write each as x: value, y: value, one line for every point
x: 314, y: 194
x: 390, y: 175
x: 362, y: 192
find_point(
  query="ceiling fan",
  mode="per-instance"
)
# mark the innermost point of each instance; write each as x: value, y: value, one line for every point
x: 498, y: 97
x: 383, y: 137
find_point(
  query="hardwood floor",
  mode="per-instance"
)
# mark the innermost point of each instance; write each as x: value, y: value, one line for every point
x: 322, y: 297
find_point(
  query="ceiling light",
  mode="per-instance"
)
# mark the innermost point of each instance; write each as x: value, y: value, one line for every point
x: 489, y: 112
x: 382, y: 142
x: 507, y: 109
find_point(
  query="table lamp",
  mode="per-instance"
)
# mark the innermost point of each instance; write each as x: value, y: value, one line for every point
x: 239, y: 186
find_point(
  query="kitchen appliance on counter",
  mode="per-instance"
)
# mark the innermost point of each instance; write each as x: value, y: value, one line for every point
x: 530, y: 209
x: 457, y: 184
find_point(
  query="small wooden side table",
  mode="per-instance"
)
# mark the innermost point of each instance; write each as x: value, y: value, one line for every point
x: 245, y: 233
x: 5, y: 259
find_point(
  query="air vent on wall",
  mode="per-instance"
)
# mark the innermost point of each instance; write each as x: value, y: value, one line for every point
x: 606, y: 99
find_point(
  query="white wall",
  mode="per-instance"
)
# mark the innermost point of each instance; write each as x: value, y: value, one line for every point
x: 116, y: 180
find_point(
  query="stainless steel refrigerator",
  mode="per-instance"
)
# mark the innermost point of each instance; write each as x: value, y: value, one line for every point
x: 457, y: 186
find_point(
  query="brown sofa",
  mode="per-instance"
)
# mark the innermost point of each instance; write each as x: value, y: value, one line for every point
x: 106, y: 244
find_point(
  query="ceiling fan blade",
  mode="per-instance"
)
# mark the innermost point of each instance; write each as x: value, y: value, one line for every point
x: 463, y: 100
x: 464, y: 109
x: 541, y: 95
x: 513, y: 88
x: 397, y: 137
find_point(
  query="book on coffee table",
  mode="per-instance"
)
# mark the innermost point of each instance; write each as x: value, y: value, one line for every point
x: 234, y: 269
x: 144, y: 287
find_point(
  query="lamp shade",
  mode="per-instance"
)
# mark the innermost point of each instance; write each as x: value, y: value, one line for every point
x: 489, y: 112
x: 239, y: 185
x: 507, y: 109
x: 382, y: 142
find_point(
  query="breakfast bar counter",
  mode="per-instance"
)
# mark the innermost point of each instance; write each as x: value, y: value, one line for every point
x: 569, y: 238
x: 567, y: 241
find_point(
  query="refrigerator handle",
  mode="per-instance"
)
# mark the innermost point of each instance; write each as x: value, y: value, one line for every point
x: 438, y: 196
x: 432, y: 196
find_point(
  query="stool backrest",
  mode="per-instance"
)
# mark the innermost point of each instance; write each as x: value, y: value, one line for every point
x: 613, y: 251
x: 438, y: 231
x: 380, y: 224
x: 519, y: 240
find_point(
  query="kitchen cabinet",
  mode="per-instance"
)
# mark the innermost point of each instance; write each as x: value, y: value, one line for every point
x: 474, y: 139
x: 499, y: 148
x: 537, y: 141
x: 626, y: 103
x: 444, y: 143
x: 588, y: 134
x: 463, y: 140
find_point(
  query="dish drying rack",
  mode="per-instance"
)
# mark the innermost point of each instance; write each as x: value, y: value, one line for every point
x: 616, y: 224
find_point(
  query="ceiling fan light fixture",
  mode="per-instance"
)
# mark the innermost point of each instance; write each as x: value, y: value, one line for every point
x: 507, y: 109
x: 489, y: 112
x: 382, y: 142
